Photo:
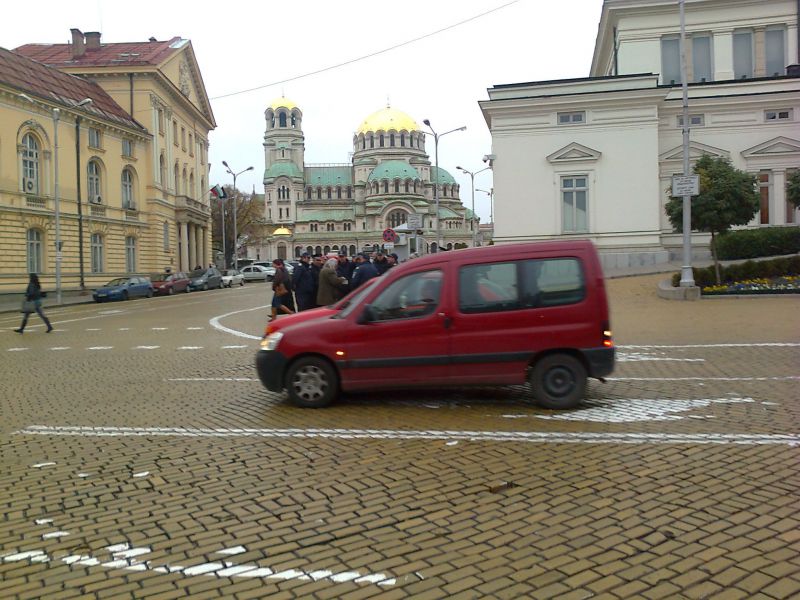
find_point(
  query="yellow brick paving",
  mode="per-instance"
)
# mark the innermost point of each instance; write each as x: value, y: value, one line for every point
x: 437, y: 519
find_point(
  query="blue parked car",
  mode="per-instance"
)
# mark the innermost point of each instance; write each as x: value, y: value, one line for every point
x: 123, y: 288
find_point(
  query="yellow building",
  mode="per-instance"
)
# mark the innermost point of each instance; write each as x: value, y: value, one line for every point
x: 105, y: 147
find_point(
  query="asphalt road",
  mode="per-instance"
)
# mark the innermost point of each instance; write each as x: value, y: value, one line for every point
x: 140, y: 457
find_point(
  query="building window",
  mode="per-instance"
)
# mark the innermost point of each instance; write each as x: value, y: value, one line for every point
x: 338, y: 193
x: 329, y: 227
x: 742, y: 54
x: 391, y: 139
x: 162, y: 169
x: 371, y: 142
x: 165, y: 235
x: 329, y: 193
x: 94, y: 138
x: 319, y: 193
x: 670, y: 61
x: 396, y: 218
x: 778, y: 115
x: 161, y: 126
x: 701, y: 58
x: 764, y: 185
x: 282, y: 119
x: 130, y: 254
x: 571, y: 118
x: 30, y: 164
x: 385, y: 187
x: 127, y: 190
x: 396, y: 186
x: 314, y: 227
x: 694, y: 120
x: 347, y: 226
x: 573, y: 204
x: 93, y: 180
x: 349, y: 193
x: 97, y: 253
x: 183, y: 138
x: 191, y: 145
x: 34, y: 239
x: 402, y: 140
x: 127, y: 147
x: 775, y: 50
x: 381, y: 138
x: 175, y: 132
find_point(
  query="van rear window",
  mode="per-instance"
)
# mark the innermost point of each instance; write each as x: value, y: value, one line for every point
x: 514, y: 285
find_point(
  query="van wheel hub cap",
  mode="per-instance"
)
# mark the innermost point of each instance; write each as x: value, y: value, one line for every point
x: 309, y: 382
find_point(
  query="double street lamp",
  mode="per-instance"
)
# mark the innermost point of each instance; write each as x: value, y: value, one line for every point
x: 472, y: 186
x: 490, y: 193
x: 56, y: 113
x: 436, y: 137
x: 235, y: 199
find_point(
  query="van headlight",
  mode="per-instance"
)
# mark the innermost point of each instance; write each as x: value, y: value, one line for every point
x: 271, y: 341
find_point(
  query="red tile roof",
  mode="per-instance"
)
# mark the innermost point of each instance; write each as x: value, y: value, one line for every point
x: 38, y: 80
x: 116, y: 54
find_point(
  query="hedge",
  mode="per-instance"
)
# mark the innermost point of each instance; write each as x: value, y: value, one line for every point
x: 754, y: 243
x: 750, y: 269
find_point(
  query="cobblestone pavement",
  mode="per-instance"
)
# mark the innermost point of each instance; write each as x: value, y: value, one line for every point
x: 140, y: 457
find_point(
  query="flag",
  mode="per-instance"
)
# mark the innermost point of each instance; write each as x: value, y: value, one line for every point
x: 219, y: 192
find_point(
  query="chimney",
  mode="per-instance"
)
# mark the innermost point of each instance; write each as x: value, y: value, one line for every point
x: 78, y: 48
x: 93, y: 40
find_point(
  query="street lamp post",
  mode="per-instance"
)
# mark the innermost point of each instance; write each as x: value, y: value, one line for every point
x: 56, y: 113
x: 490, y: 193
x: 436, y: 137
x: 235, y: 198
x: 472, y: 186
x: 222, y: 213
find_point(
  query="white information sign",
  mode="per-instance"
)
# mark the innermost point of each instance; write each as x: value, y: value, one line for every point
x: 688, y: 185
x: 414, y: 221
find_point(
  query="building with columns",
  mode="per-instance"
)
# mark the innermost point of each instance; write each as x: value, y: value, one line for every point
x: 330, y: 207
x: 594, y: 157
x: 133, y: 124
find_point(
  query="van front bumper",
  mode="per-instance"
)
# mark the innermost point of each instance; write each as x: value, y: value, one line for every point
x: 270, y: 366
x: 600, y: 361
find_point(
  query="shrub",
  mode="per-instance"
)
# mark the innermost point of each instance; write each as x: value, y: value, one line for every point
x: 751, y: 269
x: 753, y: 243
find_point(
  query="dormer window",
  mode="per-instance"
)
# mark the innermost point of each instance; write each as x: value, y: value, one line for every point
x: 778, y: 115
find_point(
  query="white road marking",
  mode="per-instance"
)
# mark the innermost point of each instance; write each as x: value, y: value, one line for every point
x: 43, y: 521
x: 100, y: 348
x: 195, y: 328
x: 190, y: 347
x: 18, y: 349
x: 125, y: 558
x: 142, y: 474
x: 146, y: 347
x: 538, y: 437
x: 641, y: 356
x: 234, y: 550
x: 94, y: 329
x: 124, y: 329
x: 212, y: 379
x: 780, y: 378
x: 217, y: 325
x: 54, y: 534
x: 158, y: 328
x: 232, y: 347
x: 636, y: 410
x: 44, y: 464
x: 60, y: 348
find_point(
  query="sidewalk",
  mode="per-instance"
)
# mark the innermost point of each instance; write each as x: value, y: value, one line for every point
x: 13, y: 302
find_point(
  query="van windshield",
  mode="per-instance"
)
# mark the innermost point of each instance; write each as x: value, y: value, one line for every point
x: 349, y: 303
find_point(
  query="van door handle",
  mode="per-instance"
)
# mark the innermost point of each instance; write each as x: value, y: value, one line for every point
x: 447, y: 320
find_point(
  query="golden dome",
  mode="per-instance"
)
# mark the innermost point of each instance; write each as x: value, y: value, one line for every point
x: 282, y: 231
x: 282, y: 102
x: 386, y: 119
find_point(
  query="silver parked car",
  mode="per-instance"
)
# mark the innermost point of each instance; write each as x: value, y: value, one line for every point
x: 257, y: 273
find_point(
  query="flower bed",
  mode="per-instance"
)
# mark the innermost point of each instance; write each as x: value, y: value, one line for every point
x: 789, y: 284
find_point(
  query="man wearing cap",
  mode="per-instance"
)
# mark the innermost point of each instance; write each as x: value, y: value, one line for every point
x: 380, y: 262
x: 392, y: 260
x: 365, y: 271
x: 345, y: 268
x: 281, y: 289
x: 317, y: 262
x: 304, y: 289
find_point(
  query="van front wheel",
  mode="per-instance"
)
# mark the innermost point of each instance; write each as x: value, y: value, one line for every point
x: 312, y: 383
x: 558, y: 381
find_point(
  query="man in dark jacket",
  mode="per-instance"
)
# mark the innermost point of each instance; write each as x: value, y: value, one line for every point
x: 303, y: 280
x: 317, y: 262
x: 365, y: 271
x: 380, y: 262
x: 345, y: 269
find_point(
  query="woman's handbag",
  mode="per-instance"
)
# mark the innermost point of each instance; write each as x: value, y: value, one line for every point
x: 280, y: 290
x: 28, y: 306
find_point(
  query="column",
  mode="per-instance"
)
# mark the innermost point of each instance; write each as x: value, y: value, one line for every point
x: 207, y: 258
x: 201, y: 255
x: 184, y: 248
x: 777, y: 199
x: 723, y: 55
x: 192, y: 246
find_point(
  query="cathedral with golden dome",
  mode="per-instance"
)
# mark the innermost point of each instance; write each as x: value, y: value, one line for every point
x: 389, y: 184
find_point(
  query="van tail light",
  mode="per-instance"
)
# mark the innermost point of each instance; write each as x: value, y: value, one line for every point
x: 608, y: 339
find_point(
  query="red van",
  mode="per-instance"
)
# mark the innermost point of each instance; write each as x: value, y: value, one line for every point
x: 494, y: 315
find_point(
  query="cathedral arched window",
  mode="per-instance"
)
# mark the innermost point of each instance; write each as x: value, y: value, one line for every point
x: 402, y: 140
x: 381, y: 138
x: 396, y: 186
x: 349, y: 192
x: 415, y: 186
x: 363, y: 143
x: 386, y: 187
x: 319, y: 193
x: 371, y: 141
x: 338, y: 193
x: 329, y: 193
x: 294, y: 121
x: 396, y: 218
x: 282, y: 120
x: 406, y: 186
x: 309, y: 193
x: 391, y: 140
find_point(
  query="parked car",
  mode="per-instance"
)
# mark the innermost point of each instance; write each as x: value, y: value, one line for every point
x: 231, y: 277
x: 493, y: 315
x: 205, y: 279
x: 166, y: 284
x: 257, y: 273
x: 123, y: 288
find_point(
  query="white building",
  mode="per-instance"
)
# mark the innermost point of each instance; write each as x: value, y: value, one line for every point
x: 594, y: 157
x: 333, y: 207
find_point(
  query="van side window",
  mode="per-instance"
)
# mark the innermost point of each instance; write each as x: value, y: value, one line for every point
x: 415, y: 295
x: 552, y: 282
x: 488, y: 288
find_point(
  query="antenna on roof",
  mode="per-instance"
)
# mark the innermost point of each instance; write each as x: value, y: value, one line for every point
x: 388, y: 104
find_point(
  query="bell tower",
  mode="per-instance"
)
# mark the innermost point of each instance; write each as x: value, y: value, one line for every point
x: 284, y: 156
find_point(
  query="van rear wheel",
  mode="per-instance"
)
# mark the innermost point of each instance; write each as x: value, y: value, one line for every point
x: 558, y: 381
x: 312, y: 383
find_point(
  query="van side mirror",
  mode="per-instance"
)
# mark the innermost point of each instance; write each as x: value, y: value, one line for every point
x: 367, y: 315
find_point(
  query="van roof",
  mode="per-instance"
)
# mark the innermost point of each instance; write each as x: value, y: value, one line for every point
x: 505, y: 250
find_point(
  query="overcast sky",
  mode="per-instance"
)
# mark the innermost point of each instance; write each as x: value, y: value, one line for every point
x: 241, y: 45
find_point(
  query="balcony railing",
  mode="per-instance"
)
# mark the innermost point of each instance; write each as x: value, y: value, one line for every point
x: 35, y: 202
x: 97, y: 211
x: 186, y: 202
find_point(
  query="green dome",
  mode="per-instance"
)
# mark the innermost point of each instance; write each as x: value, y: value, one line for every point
x: 393, y: 169
x: 285, y: 169
x: 444, y: 177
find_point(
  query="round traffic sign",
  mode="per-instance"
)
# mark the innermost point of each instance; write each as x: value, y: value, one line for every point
x: 388, y: 235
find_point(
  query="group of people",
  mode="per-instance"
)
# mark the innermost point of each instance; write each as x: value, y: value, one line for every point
x: 320, y: 281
